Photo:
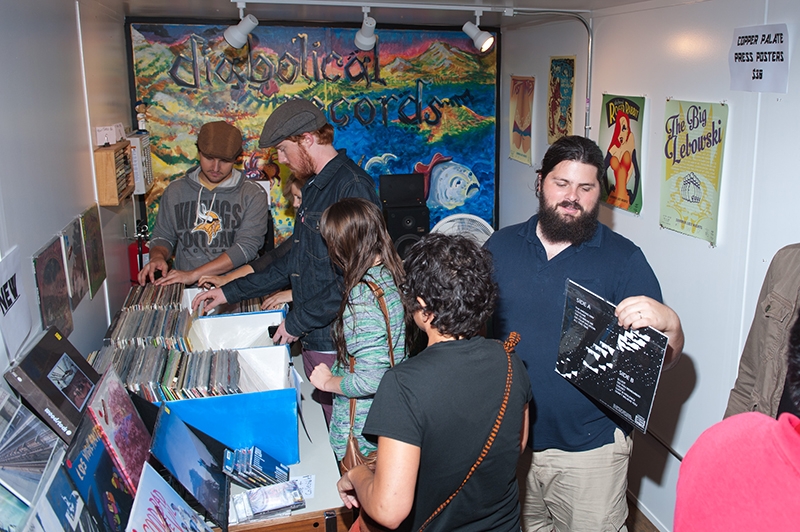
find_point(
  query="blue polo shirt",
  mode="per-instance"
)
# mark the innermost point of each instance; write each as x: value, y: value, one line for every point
x: 531, y: 302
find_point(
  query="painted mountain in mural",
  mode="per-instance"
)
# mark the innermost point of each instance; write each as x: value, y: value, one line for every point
x: 441, y: 62
x: 456, y: 120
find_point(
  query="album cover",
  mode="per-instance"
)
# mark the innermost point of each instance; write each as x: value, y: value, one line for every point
x: 56, y: 381
x: 93, y: 248
x: 122, y: 429
x: 13, y: 511
x: 619, y: 368
x: 75, y: 262
x: 26, y: 447
x: 189, y: 460
x: 97, y: 479
x: 62, y: 508
x: 158, y: 507
x: 51, y: 286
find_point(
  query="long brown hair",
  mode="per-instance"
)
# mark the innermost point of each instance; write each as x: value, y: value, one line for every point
x: 355, y: 232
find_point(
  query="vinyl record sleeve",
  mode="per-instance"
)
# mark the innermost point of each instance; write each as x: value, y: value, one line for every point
x: 27, y: 447
x: 51, y: 286
x: 193, y: 464
x: 158, y: 504
x: 121, y: 427
x: 56, y: 381
x: 619, y: 368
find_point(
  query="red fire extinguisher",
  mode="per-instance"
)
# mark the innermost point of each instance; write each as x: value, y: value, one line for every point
x: 138, y: 252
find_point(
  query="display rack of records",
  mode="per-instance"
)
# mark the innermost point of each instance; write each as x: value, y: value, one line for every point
x: 162, y: 327
x: 242, y: 307
x: 151, y: 296
x: 160, y: 374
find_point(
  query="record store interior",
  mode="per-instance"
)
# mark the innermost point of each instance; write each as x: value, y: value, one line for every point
x: 118, y: 385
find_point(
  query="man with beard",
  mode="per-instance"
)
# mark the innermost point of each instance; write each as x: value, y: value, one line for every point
x: 303, y: 138
x: 576, y: 466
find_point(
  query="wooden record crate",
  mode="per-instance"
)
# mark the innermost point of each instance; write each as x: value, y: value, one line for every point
x: 114, y: 171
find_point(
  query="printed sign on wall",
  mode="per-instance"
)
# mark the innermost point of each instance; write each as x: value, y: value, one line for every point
x: 693, y: 146
x: 759, y: 59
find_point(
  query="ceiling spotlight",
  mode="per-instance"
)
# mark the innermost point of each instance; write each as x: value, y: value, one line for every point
x: 365, y: 38
x: 236, y: 35
x: 483, y: 40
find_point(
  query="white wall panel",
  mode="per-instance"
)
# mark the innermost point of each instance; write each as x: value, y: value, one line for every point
x: 658, y: 50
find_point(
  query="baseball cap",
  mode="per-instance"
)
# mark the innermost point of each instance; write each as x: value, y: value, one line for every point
x: 294, y: 117
x: 220, y: 140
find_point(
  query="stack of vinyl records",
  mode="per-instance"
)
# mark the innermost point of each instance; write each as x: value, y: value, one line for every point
x: 154, y: 297
x: 157, y: 373
x: 165, y: 327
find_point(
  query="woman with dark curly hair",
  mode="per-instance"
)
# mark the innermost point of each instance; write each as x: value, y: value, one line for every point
x: 433, y: 415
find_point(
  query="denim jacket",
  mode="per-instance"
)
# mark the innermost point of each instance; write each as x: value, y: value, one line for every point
x: 316, y: 285
x: 762, y: 368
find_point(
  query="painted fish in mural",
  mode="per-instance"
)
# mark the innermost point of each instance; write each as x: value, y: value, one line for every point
x: 447, y: 184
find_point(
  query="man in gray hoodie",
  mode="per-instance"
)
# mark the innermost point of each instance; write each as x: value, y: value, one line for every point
x: 212, y: 220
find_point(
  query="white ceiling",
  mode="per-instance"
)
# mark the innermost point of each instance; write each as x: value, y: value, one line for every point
x: 226, y: 9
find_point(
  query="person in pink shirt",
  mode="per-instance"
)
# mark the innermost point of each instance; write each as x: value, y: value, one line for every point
x: 744, y: 472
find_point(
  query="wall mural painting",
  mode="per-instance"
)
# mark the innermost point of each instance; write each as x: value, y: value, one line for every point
x: 421, y: 101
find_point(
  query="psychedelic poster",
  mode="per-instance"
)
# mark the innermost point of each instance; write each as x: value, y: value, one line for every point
x: 559, y: 97
x: 621, y: 138
x: 520, y: 113
x: 423, y: 100
x: 693, y: 146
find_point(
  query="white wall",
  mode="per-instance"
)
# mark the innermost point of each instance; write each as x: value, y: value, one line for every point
x: 108, y: 99
x: 47, y: 178
x: 658, y: 50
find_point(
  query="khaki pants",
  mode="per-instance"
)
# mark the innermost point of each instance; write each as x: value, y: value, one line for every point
x: 576, y: 491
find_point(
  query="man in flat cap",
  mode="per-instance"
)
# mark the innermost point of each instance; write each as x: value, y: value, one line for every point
x: 303, y: 138
x: 212, y: 220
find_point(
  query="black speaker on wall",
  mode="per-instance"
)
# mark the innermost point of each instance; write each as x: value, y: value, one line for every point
x: 406, y: 225
x: 404, y: 209
x: 402, y: 190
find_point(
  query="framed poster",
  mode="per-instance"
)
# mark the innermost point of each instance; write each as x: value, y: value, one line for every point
x: 520, y: 114
x: 559, y: 97
x: 423, y: 100
x: 621, y: 136
x: 694, y: 141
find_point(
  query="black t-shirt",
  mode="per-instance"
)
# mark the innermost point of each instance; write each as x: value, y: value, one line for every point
x: 445, y: 401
